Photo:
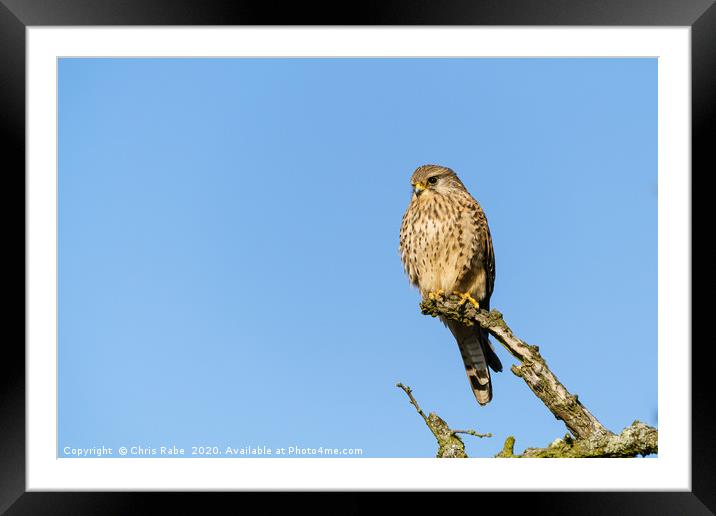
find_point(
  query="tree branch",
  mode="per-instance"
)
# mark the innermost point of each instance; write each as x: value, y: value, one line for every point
x: 637, y: 439
x: 450, y: 446
x: 591, y: 438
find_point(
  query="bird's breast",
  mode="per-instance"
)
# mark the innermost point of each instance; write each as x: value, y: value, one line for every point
x: 435, y: 247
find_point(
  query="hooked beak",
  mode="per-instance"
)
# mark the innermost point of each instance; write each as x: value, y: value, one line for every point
x: 418, y: 188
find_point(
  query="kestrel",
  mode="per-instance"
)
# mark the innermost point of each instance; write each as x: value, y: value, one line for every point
x: 445, y: 246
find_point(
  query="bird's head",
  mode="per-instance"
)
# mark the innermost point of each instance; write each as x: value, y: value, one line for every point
x: 429, y: 180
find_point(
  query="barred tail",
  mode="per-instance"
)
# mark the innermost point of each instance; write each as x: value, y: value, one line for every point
x: 478, y: 356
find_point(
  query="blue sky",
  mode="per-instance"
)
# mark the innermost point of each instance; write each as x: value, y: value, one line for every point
x: 228, y: 235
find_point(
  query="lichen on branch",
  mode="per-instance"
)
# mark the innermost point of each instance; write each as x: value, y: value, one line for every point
x: 636, y: 439
x: 450, y: 446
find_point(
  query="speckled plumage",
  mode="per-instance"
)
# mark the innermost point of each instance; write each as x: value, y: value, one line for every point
x: 445, y: 244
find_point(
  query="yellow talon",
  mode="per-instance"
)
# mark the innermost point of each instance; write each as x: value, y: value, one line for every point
x: 435, y: 295
x: 465, y: 296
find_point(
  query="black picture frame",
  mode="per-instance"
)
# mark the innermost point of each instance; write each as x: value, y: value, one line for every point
x: 16, y: 15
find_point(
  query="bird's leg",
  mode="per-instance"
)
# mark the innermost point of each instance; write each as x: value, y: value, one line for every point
x: 435, y: 295
x: 465, y: 296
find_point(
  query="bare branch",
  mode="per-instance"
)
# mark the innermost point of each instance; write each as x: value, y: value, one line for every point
x: 471, y: 432
x: 591, y: 438
x: 413, y: 402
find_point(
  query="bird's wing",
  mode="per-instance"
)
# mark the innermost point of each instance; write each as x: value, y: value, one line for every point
x: 489, y: 264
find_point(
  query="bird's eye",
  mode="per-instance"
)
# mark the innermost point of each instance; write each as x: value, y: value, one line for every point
x: 432, y: 180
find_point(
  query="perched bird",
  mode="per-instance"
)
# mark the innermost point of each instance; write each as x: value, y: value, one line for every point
x: 446, y: 247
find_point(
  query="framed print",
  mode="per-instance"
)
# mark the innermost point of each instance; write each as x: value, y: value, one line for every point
x: 238, y: 219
